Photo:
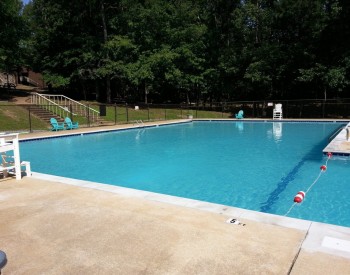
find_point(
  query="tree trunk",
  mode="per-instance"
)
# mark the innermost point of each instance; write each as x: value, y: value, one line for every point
x: 97, y: 91
x: 146, y: 93
x: 82, y: 81
x: 105, y: 38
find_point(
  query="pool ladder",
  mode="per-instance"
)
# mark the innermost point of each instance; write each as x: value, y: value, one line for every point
x: 139, y: 123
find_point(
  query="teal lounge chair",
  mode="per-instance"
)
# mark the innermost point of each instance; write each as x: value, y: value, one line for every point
x: 56, y: 126
x: 240, y: 114
x: 71, y: 125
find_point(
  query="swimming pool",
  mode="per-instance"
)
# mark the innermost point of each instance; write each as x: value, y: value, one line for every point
x: 252, y: 165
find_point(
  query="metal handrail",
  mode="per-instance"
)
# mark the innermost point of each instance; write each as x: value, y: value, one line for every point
x: 49, y: 105
x: 61, y: 102
x: 29, y: 80
x: 139, y: 123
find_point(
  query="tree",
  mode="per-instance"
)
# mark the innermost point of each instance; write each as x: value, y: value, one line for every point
x: 326, y: 78
x: 169, y: 42
x: 299, y: 28
x: 185, y: 50
x: 11, y: 33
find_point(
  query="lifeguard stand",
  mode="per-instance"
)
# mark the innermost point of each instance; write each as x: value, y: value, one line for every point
x: 277, y: 111
x: 9, y: 142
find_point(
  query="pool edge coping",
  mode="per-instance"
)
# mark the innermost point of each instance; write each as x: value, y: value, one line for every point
x: 315, y: 232
x: 113, y: 128
x: 88, y: 131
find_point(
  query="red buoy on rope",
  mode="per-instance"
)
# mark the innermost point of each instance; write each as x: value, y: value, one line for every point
x: 323, y: 167
x: 299, y: 197
x: 329, y: 154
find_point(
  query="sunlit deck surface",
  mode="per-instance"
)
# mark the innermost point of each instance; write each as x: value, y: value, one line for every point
x: 340, y: 144
x: 53, y: 225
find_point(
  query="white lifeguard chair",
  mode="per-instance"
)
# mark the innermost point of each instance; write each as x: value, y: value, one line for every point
x: 277, y: 111
x: 9, y: 142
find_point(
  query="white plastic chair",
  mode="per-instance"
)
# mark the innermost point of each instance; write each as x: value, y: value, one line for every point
x: 277, y: 111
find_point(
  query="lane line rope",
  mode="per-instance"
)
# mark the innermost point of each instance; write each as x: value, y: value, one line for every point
x: 323, y: 170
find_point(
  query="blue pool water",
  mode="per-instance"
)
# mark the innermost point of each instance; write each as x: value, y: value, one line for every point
x: 252, y: 165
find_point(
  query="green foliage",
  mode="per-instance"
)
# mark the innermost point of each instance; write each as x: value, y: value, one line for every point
x: 329, y: 78
x: 11, y: 34
x: 186, y: 50
x: 336, y: 78
x: 55, y: 80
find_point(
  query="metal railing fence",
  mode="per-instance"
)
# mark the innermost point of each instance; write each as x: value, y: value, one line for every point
x: 62, y: 106
x: 23, y: 118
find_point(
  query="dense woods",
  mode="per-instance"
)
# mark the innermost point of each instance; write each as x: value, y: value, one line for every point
x: 182, y: 50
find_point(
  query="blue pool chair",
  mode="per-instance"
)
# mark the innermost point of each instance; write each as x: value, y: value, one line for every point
x: 71, y: 125
x: 240, y: 114
x: 56, y: 126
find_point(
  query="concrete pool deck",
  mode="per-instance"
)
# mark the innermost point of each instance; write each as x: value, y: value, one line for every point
x: 340, y: 144
x: 48, y: 227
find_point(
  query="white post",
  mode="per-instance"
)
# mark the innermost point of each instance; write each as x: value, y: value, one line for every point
x: 17, y: 157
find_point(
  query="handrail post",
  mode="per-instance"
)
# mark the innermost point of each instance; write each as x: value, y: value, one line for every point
x: 115, y: 114
x: 30, y: 120
x: 127, y: 113
x: 148, y: 111
x: 88, y: 115
x: 71, y: 111
x: 323, y: 108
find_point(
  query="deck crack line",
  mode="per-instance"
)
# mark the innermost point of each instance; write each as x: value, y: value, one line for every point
x: 299, y: 250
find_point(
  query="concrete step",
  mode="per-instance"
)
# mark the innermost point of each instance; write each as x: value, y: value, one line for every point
x: 46, y: 115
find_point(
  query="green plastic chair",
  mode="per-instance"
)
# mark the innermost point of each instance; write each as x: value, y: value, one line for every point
x: 56, y: 126
x: 240, y: 114
x: 71, y: 125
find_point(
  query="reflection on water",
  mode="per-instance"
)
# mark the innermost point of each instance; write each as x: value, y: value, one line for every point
x: 277, y: 130
x: 240, y: 126
x: 139, y: 133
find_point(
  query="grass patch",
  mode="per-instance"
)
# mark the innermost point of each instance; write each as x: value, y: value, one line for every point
x: 16, y: 118
x: 122, y: 114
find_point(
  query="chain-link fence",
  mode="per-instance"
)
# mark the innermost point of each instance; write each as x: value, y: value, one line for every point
x: 30, y: 118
